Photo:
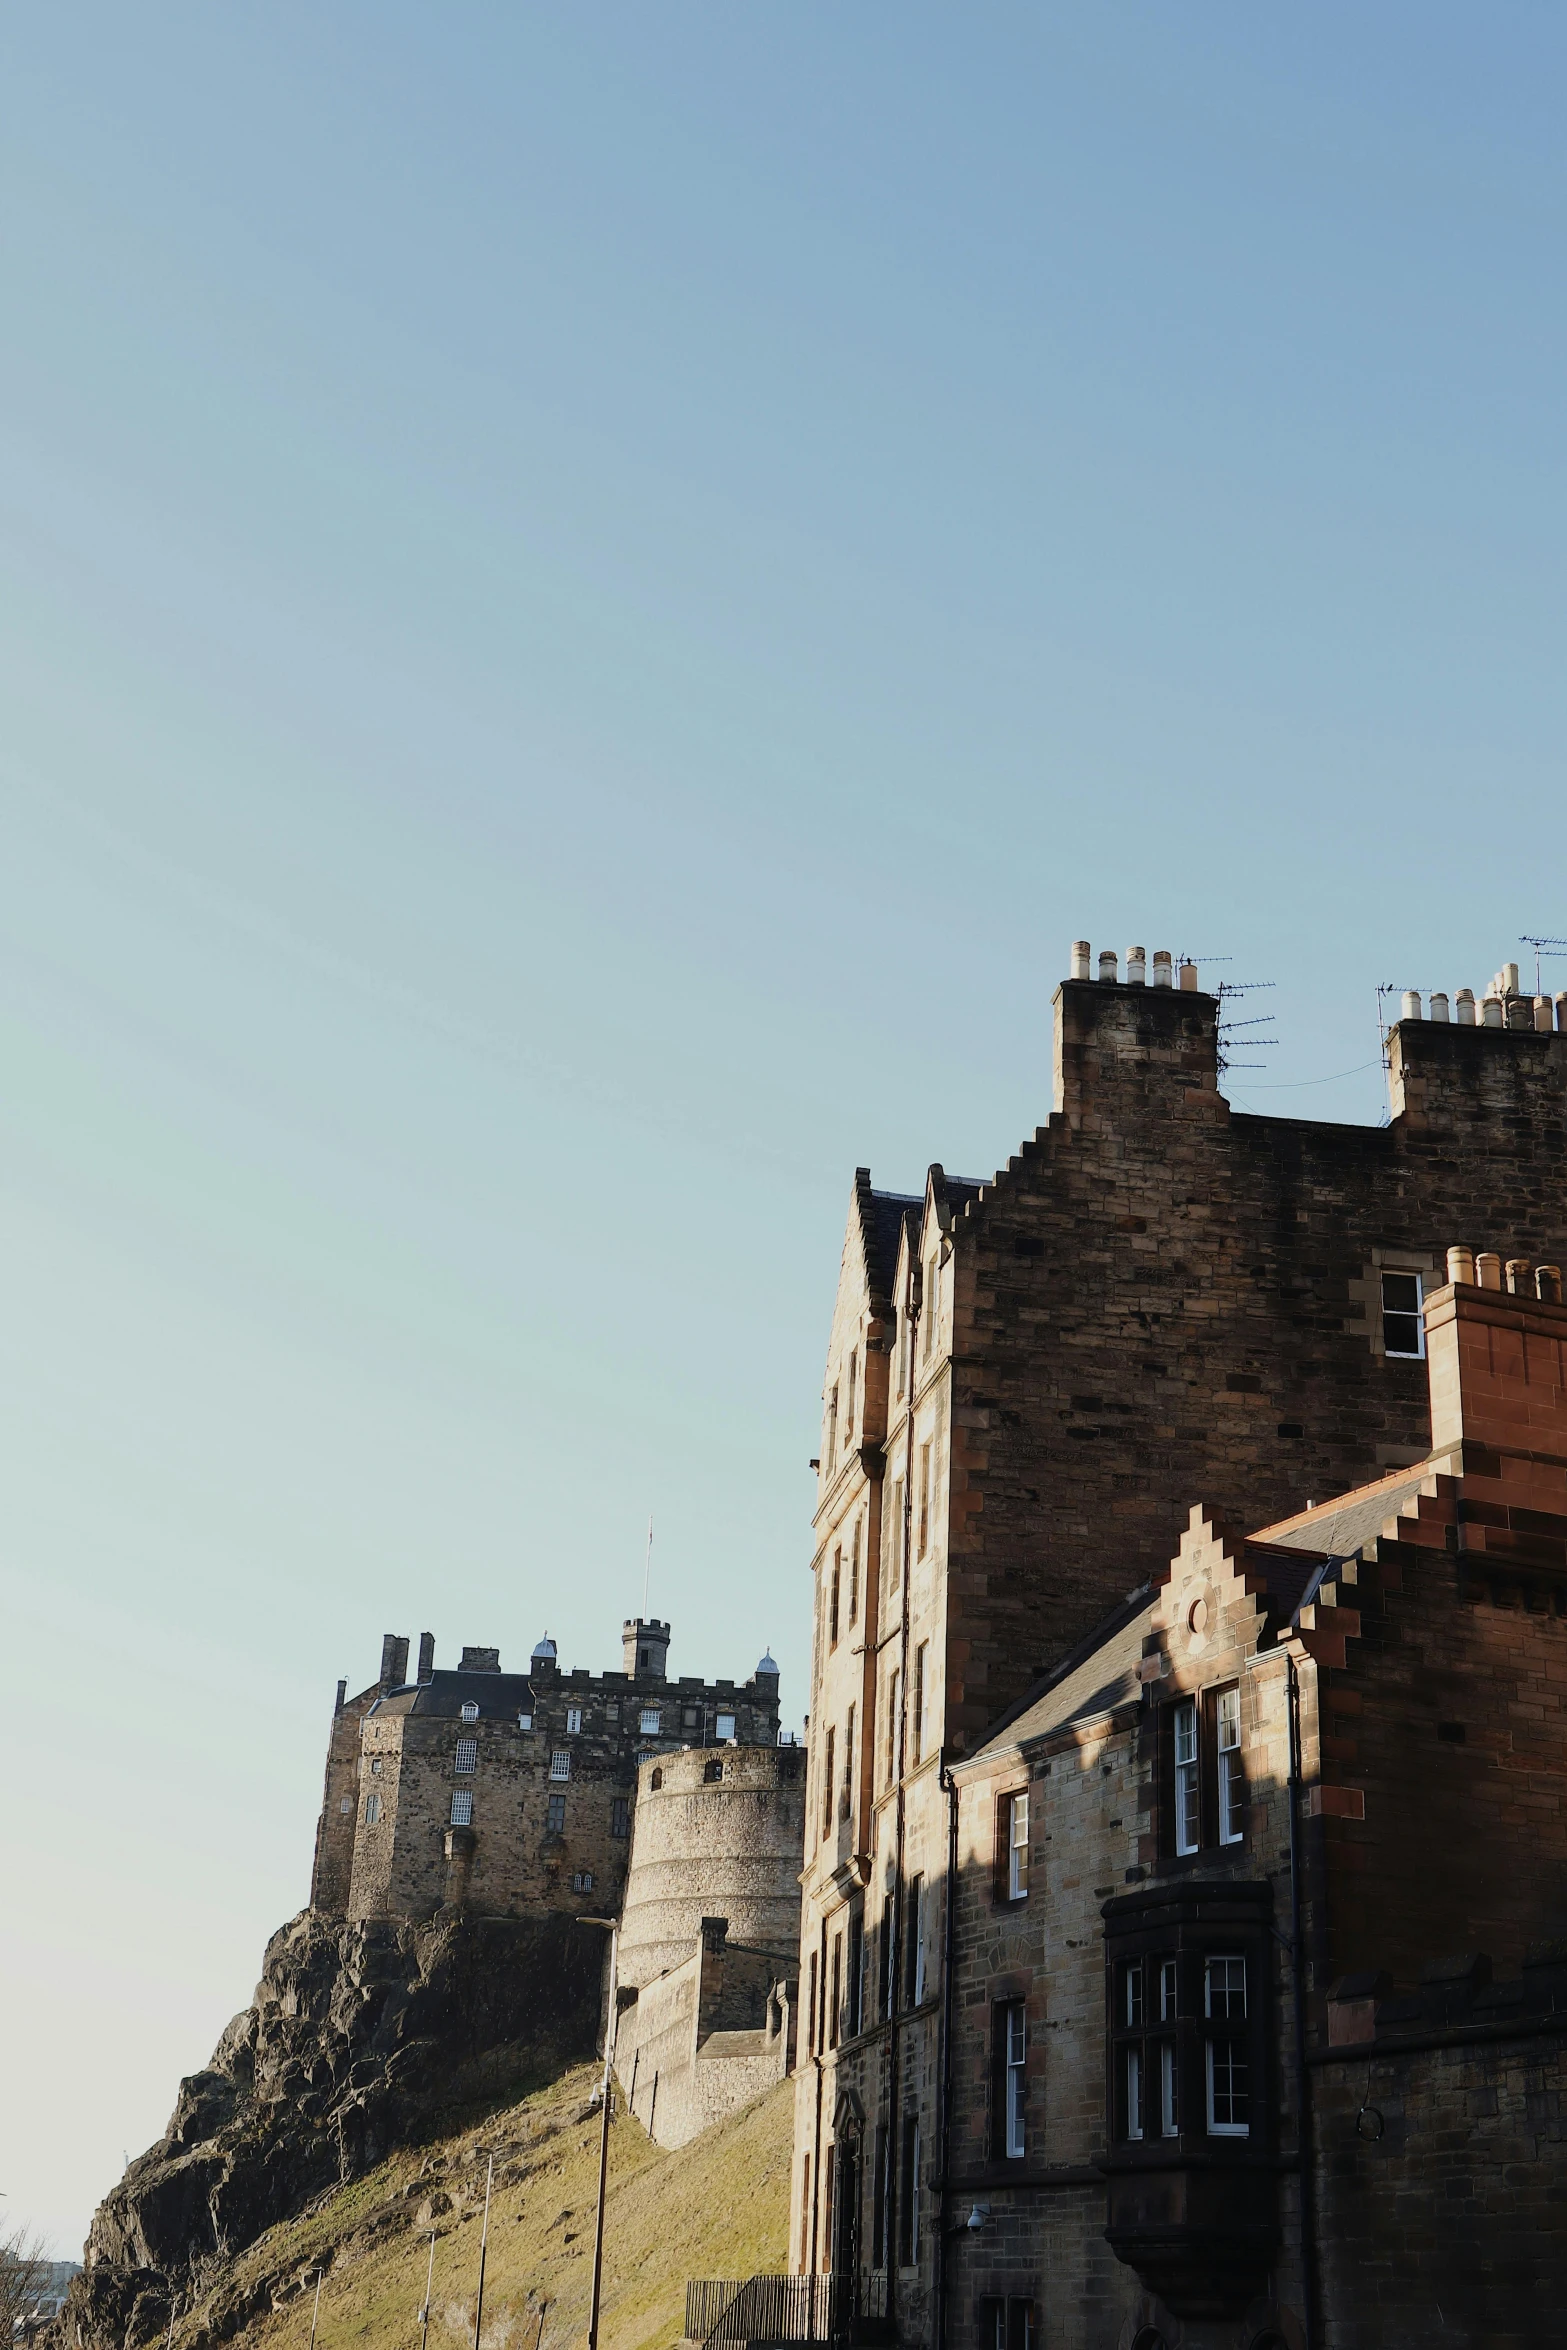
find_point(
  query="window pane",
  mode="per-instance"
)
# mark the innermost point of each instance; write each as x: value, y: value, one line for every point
x: 1228, y: 2099
x: 1188, y: 1813
x: 1224, y: 1982
x: 462, y: 1809
x: 1401, y: 1293
x: 724, y: 1727
x: 1134, y: 2092
x: 1133, y: 2013
x: 648, y: 1725
x: 467, y: 1754
x: 1169, y: 2092
x: 560, y: 1764
x: 1167, y: 2008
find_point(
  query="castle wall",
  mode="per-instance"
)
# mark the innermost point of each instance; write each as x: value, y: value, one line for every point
x: 704, y: 2038
x: 728, y: 1846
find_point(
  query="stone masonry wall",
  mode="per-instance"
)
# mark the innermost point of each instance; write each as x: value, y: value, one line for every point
x: 727, y: 1844
x: 1160, y: 1299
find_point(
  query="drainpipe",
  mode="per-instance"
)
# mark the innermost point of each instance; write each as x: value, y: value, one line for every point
x: 944, y: 2076
x: 1308, y: 2273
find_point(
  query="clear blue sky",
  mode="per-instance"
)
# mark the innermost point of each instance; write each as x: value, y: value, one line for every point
x: 591, y: 597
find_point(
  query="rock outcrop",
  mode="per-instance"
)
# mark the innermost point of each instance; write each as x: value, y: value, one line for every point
x: 362, y: 2038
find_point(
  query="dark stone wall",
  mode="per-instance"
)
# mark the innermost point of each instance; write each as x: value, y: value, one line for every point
x: 1160, y: 1302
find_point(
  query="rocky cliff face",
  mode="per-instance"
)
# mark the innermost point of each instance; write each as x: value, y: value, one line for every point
x: 362, y: 2038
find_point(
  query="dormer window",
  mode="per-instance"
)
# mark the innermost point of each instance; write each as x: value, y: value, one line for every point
x: 470, y: 1712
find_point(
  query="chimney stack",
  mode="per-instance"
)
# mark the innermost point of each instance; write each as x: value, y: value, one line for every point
x: 427, y: 1656
x: 394, y: 1662
x: 1498, y: 1369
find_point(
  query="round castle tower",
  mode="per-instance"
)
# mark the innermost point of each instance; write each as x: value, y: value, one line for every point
x: 718, y: 1831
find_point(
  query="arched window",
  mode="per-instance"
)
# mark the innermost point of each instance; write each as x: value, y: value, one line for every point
x: 657, y: 1779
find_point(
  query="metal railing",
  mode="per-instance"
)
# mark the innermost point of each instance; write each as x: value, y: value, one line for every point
x: 725, y: 2313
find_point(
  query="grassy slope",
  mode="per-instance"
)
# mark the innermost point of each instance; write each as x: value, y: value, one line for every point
x: 718, y: 2207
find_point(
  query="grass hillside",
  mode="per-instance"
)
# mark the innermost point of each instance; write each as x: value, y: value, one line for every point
x: 718, y: 2207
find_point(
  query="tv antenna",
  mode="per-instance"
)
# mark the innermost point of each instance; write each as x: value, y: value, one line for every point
x: 1549, y: 947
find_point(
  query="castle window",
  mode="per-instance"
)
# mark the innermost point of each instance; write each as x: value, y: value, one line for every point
x: 375, y: 1768
x: 467, y: 1756
x: 1014, y: 1846
x: 372, y: 1810
x: 525, y: 1718
x: 688, y: 1714
x: 346, y: 1805
x: 1188, y: 1803
x: 470, y: 1712
x: 712, y: 1772
x: 619, y: 1817
x: 832, y: 1599
x: 1232, y: 1783
x: 612, y: 1710
x: 1403, y: 1328
x: 642, y: 1660
x: 462, y: 1808
x: 555, y: 1816
x: 724, y: 1727
x: 560, y: 1764
x: 657, y: 1780
x: 582, y: 1882
x: 573, y: 1720
x: 649, y: 1721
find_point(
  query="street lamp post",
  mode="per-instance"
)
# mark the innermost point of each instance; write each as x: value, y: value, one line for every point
x: 612, y: 1929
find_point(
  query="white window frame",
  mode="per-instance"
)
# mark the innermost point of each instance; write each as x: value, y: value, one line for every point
x: 1017, y: 1846
x: 560, y: 1766
x: 470, y: 1711
x: 1133, y: 2055
x: 573, y: 1721
x: 525, y: 1718
x: 373, y: 1808
x: 720, y: 1732
x: 648, y: 1722
x: 1169, y: 2092
x: 466, y: 1760
x: 1231, y: 2049
x: 1016, y: 2058
x: 1188, y: 1785
x: 1385, y: 1273
x: 462, y: 1808
x: 916, y: 1926
x: 1232, y: 1783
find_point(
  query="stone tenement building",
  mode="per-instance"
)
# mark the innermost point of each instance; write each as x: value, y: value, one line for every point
x: 1027, y: 1382
x: 710, y: 1935
x: 508, y: 1793
x: 1344, y: 1737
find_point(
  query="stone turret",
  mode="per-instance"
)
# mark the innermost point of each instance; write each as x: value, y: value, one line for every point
x: 645, y: 1645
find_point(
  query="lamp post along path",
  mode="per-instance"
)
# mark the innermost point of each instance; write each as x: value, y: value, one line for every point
x: 484, y: 2245
x: 612, y: 1929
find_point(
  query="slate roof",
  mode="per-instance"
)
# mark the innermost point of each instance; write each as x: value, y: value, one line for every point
x: 1344, y: 1525
x: 448, y: 1692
